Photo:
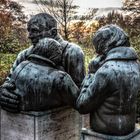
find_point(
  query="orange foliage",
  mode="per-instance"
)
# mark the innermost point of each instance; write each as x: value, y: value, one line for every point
x: 82, y: 31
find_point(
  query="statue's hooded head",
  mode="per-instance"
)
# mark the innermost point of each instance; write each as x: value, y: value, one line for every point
x: 108, y: 37
x: 50, y: 49
x: 40, y: 26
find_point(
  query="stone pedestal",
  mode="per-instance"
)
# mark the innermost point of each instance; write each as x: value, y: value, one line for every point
x: 57, y: 124
x: 88, y: 134
x: 85, y: 121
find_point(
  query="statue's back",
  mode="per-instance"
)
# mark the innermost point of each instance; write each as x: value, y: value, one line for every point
x: 36, y: 85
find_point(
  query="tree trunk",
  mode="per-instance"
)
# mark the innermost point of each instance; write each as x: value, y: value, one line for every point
x: 65, y: 20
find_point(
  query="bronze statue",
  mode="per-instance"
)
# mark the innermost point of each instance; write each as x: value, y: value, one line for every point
x: 40, y: 81
x: 109, y: 95
x: 40, y: 26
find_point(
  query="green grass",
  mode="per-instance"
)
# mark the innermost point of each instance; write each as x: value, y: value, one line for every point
x: 6, y: 61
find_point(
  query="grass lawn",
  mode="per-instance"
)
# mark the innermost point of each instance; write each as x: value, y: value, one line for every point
x: 6, y: 61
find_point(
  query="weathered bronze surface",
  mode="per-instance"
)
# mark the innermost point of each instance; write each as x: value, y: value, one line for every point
x: 72, y: 60
x: 109, y: 95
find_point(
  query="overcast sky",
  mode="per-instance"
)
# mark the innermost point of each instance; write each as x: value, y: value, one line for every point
x: 84, y: 4
x: 98, y: 3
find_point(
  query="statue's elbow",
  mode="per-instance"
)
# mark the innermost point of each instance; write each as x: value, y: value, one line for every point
x: 82, y: 109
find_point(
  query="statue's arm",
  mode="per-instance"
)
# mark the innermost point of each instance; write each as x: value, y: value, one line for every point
x: 93, y: 92
x: 8, y: 99
x: 74, y: 63
x: 70, y: 91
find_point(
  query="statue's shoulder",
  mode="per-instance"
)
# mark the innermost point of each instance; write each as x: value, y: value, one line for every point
x: 64, y: 80
x: 58, y: 76
x: 22, y: 56
x: 107, y: 70
x: 72, y: 48
x: 25, y: 52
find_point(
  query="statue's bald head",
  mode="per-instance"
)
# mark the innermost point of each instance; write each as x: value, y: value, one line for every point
x: 40, y: 26
x: 43, y: 20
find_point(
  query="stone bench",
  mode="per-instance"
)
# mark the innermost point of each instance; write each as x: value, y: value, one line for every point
x: 58, y: 124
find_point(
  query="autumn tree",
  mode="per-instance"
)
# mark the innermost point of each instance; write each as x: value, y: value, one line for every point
x: 132, y: 5
x: 12, y: 23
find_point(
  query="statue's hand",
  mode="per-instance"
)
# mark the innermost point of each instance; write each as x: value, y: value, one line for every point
x: 8, y: 99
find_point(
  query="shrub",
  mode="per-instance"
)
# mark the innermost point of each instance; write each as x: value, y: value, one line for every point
x: 13, y: 36
x: 6, y: 61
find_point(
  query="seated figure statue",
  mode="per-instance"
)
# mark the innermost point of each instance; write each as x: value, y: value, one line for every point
x: 39, y: 80
x: 109, y: 95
